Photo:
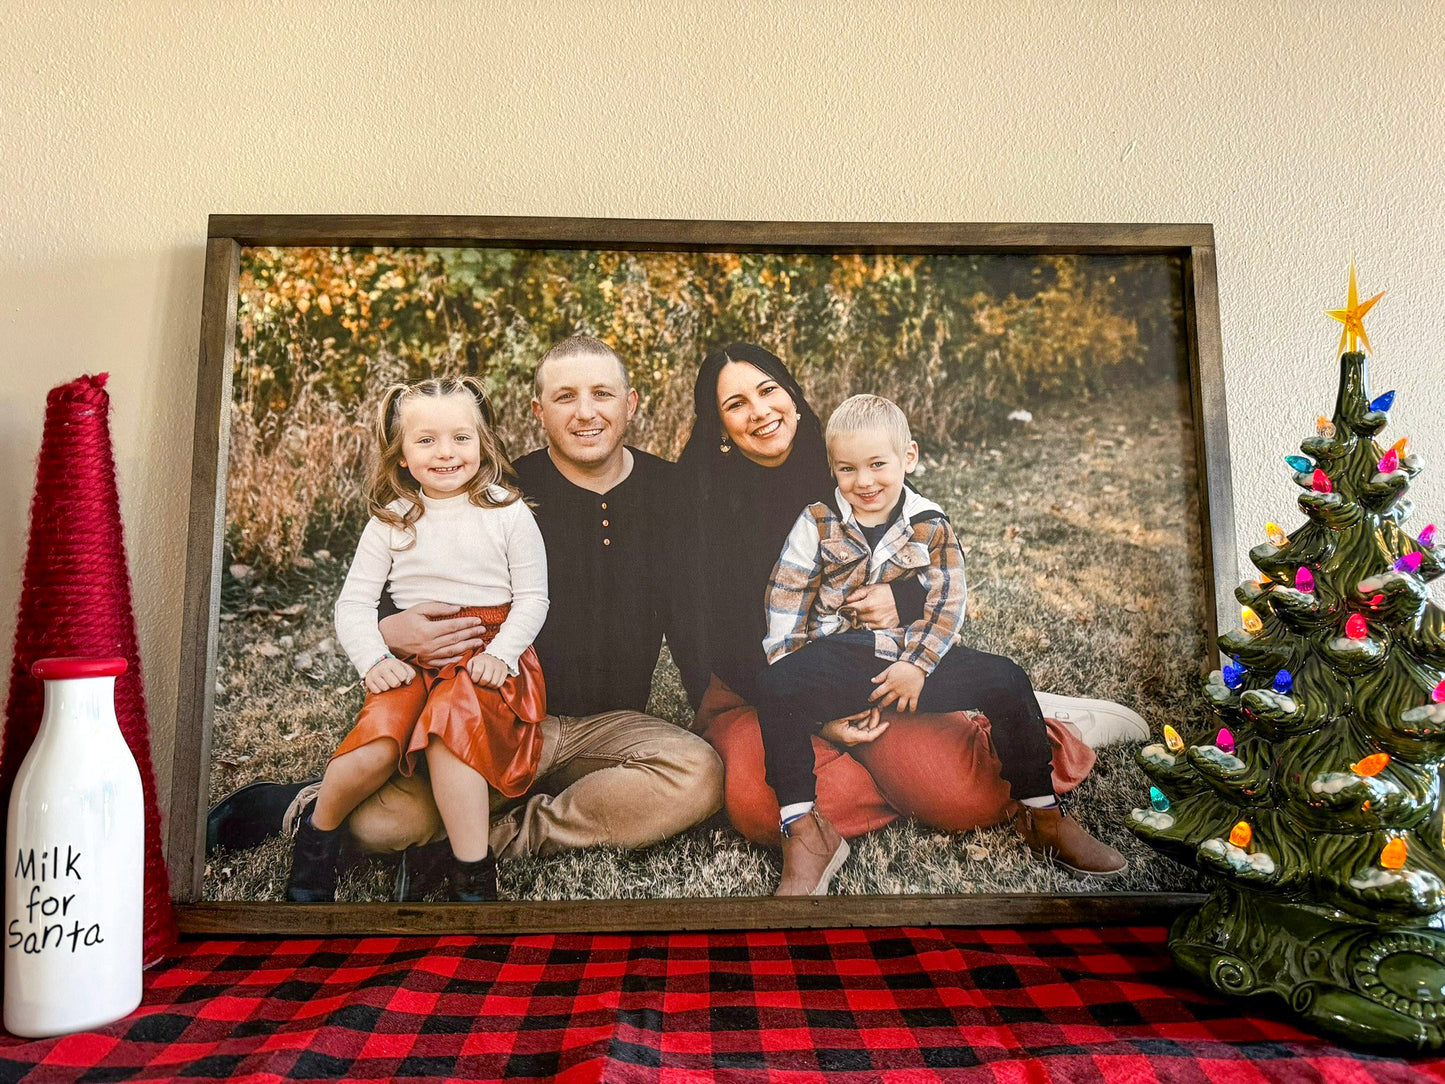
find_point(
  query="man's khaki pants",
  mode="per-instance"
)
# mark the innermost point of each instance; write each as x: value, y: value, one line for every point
x: 620, y: 779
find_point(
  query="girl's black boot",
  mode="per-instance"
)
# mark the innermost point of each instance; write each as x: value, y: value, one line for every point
x: 313, y: 863
x: 474, y: 882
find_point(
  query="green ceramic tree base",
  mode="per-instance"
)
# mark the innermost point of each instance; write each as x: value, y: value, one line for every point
x: 1366, y: 984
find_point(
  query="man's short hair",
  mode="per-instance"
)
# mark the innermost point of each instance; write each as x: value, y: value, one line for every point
x: 870, y: 412
x: 579, y: 346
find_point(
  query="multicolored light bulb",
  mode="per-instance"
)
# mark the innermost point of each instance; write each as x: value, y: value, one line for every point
x: 1276, y: 535
x: 1378, y: 600
x: 1324, y: 427
x: 1158, y: 800
x: 1172, y: 741
x: 1410, y: 562
x: 1427, y: 536
x: 1394, y: 854
x: 1437, y: 694
x: 1299, y: 464
x: 1224, y: 740
x: 1241, y: 834
x: 1233, y: 673
x: 1320, y: 482
x: 1250, y: 620
x: 1357, y: 628
x: 1384, y: 402
x: 1371, y: 765
x: 1399, y: 446
x: 1390, y: 462
x: 1283, y: 681
x: 1304, y: 580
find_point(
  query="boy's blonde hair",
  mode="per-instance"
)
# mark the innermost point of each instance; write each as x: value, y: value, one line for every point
x: 390, y: 481
x: 869, y: 412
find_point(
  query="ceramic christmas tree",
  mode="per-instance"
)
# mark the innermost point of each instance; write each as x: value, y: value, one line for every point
x: 1314, y: 796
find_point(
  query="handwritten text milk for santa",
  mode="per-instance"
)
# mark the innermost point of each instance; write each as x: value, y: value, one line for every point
x: 75, y: 861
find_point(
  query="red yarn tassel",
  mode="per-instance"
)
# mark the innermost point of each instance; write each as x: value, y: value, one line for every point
x: 75, y: 600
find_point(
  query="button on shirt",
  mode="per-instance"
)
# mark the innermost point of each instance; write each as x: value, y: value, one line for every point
x: 607, y: 575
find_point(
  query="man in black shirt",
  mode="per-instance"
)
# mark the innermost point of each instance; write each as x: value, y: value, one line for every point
x: 606, y: 566
x: 610, y: 774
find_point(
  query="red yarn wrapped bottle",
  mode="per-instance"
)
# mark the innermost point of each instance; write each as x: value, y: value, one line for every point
x: 75, y: 601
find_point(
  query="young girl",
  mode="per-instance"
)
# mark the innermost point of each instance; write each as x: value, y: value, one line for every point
x: 447, y: 525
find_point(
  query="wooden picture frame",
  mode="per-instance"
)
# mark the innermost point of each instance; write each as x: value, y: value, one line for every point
x: 1192, y: 246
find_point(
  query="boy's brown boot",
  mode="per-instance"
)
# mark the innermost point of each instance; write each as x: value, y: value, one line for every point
x: 1053, y: 835
x: 813, y: 852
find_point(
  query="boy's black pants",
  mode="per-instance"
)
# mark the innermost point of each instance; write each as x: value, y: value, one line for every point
x: 832, y: 677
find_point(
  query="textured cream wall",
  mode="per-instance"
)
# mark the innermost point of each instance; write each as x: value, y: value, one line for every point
x: 1306, y: 133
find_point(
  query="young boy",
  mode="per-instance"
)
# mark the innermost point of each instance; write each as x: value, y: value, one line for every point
x: 879, y: 529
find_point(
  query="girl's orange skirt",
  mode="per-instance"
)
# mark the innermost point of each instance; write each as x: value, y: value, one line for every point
x: 495, y: 731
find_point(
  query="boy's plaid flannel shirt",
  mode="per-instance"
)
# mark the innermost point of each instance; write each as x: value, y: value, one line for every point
x: 826, y: 558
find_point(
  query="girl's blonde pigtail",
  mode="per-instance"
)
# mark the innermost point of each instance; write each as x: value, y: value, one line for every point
x: 496, y: 469
x: 389, y: 481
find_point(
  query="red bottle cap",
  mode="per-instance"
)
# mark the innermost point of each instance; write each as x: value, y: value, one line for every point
x: 60, y: 669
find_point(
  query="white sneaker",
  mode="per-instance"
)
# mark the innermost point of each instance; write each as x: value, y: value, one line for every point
x: 1099, y: 722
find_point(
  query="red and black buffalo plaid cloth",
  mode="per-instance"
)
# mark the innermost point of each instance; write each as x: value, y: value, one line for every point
x: 804, y: 1005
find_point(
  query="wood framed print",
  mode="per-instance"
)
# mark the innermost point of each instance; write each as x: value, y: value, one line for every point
x: 570, y: 591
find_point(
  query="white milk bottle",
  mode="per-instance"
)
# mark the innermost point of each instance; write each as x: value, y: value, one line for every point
x: 74, y: 861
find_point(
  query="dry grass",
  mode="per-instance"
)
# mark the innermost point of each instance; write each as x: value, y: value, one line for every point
x: 1080, y: 540
x: 299, y: 478
x: 288, y: 476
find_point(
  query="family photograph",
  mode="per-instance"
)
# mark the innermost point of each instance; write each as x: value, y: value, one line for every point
x: 570, y: 574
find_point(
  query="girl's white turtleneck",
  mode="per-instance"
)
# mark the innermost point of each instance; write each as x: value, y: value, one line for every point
x: 464, y: 555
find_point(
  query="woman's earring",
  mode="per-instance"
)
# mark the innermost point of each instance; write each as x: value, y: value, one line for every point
x: 724, y: 447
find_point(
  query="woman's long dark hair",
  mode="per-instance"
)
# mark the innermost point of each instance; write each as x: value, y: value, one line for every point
x: 734, y: 517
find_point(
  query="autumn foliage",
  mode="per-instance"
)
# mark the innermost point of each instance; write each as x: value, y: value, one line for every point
x: 956, y: 340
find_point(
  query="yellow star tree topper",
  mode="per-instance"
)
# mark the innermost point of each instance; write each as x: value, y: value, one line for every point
x: 1353, y: 316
